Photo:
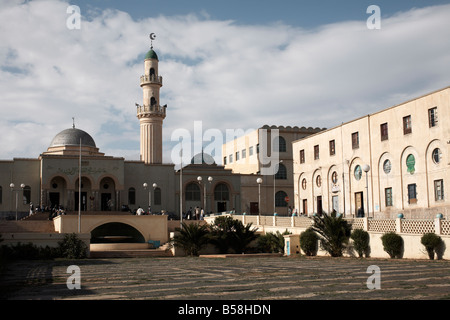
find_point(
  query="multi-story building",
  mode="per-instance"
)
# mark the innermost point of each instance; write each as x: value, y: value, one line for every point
x: 390, y: 162
x: 265, y: 153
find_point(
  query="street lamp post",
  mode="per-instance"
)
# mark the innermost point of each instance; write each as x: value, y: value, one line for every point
x: 145, y: 185
x: 22, y: 186
x: 199, y: 179
x: 366, y: 169
x: 259, y: 181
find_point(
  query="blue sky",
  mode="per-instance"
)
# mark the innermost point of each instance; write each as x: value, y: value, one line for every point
x: 293, y: 12
x: 225, y: 64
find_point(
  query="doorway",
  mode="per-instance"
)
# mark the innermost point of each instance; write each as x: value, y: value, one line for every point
x: 359, y: 204
x: 54, y: 199
x: 305, y: 207
x: 335, y: 203
x: 221, y: 206
x: 254, y: 208
x: 106, y: 202
x: 83, y: 201
x: 319, y: 205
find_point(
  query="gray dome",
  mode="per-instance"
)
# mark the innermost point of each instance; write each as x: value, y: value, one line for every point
x: 202, y: 158
x: 71, y: 137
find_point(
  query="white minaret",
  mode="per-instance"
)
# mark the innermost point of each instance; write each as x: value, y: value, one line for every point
x: 151, y: 114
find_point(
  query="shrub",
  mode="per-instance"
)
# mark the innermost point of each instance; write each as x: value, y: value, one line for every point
x: 272, y: 242
x: 360, y: 241
x: 431, y: 242
x: 71, y: 247
x: 192, y: 238
x: 334, y: 232
x: 308, y: 242
x: 392, y: 244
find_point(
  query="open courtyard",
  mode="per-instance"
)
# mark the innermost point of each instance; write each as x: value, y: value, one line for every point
x: 250, y: 278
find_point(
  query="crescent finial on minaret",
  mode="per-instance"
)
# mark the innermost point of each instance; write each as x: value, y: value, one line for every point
x: 152, y: 37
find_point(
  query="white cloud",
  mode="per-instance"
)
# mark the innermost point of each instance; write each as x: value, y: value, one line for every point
x: 224, y: 74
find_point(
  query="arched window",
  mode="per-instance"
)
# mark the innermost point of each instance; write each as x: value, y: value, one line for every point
x: 192, y: 192
x: 26, y: 195
x: 221, y: 192
x: 282, y: 173
x: 131, y: 196
x: 281, y: 144
x: 152, y: 73
x: 152, y: 101
x: 280, y: 197
x: 157, y: 201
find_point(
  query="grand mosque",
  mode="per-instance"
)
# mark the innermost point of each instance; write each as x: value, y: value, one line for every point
x: 74, y: 174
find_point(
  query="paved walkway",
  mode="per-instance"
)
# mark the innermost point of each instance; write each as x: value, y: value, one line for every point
x: 230, y: 278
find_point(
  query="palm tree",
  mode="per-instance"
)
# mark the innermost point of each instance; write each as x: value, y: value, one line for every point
x: 191, y: 238
x: 242, y: 237
x: 334, y: 232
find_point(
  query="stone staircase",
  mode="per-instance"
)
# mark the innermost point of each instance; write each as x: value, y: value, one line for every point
x: 27, y: 226
x: 162, y: 251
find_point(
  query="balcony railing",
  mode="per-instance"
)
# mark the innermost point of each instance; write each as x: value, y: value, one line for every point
x: 151, y: 79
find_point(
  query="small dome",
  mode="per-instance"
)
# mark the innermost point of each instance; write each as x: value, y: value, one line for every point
x: 202, y: 158
x: 151, y: 55
x: 72, y: 137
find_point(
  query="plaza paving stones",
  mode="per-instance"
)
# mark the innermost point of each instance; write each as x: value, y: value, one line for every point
x: 265, y: 278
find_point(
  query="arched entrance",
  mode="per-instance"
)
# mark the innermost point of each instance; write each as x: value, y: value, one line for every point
x: 57, y: 193
x: 116, y: 232
x: 86, y: 190
x: 221, y: 197
x: 107, y: 194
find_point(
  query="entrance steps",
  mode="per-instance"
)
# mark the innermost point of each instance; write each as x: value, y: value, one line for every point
x: 24, y: 226
x: 128, y: 250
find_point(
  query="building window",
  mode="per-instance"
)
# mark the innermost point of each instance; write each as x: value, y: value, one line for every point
x: 282, y: 173
x: 332, y: 148
x: 384, y: 131
x: 439, y: 190
x: 280, y: 199
x: 257, y: 148
x: 302, y: 156
x: 281, y: 144
x: 237, y: 156
x: 334, y: 177
x: 157, y: 196
x: 131, y: 196
x: 244, y: 153
x: 304, y: 184
x: 192, y: 192
x: 319, y: 181
x: 387, y: 166
x: 230, y: 158
x: 221, y: 192
x: 355, y: 140
x: 358, y: 172
x: 388, y: 197
x: 432, y: 117
x: 224, y: 160
x: 436, y: 155
x: 407, y: 126
x: 412, y: 194
x: 410, y: 164
x: 316, y: 152
x: 250, y: 151
x: 26, y: 195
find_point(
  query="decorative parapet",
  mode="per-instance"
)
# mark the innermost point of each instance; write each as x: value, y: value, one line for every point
x: 147, y: 111
x: 151, y: 79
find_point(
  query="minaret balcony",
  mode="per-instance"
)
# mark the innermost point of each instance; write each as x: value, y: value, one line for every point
x: 149, y: 111
x: 151, y: 79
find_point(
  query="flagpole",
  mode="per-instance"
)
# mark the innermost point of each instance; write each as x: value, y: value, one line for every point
x: 79, y: 192
x: 181, y: 188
